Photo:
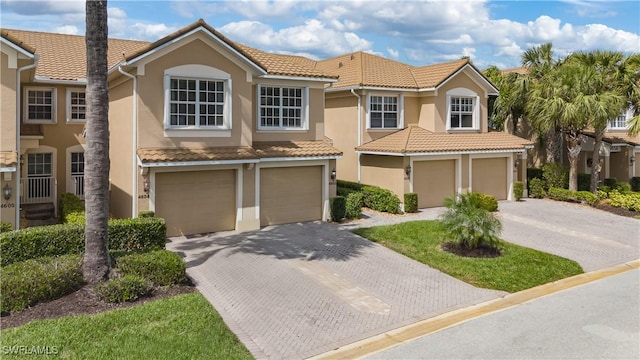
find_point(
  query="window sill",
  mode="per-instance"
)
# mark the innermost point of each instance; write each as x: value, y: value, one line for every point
x: 40, y: 122
x: 282, y: 130
x: 474, y: 130
x: 177, y: 133
x: 384, y: 129
x: 76, y: 122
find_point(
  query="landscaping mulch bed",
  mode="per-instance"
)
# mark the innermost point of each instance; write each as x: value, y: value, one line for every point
x: 480, y: 252
x: 618, y: 210
x: 83, y: 301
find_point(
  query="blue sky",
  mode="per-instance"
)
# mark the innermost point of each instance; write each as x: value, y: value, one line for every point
x: 414, y: 32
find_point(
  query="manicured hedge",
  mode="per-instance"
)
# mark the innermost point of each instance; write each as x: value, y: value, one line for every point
x: 344, y: 188
x: 380, y: 199
x: 573, y: 196
x: 536, y: 188
x: 124, y: 234
x: 32, y: 281
x: 488, y: 202
x: 635, y: 183
x: 337, y: 208
x: 71, y: 209
x: 5, y: 226
x: 610, y: 182
x: 534, y: 173
x: 161, y: 267
x: 555, y: 175
x: 146, y: 213
x: 518, y: 190
x: 126, y: 288
x: 584, y: 182
x: 353, y: 205
x: 411, y: 202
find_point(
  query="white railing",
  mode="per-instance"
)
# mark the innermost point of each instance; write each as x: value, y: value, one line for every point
x: 37, y: 190
x: 78, y: 185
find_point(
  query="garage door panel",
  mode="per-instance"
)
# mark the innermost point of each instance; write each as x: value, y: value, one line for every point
x: 489, y: 176
x: 290, y: 194
x: 433, y: 181
x: 196, y: 202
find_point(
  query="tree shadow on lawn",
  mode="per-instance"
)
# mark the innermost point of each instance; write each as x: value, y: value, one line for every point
x: 309, y: 240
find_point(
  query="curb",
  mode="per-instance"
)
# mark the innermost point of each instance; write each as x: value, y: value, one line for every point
x: 398, y: 336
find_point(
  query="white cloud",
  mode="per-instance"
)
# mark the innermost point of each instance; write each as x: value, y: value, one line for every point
x: 67, y: 29
x: 150, y: 32
x: 43, y: 7
x: 395, y: 54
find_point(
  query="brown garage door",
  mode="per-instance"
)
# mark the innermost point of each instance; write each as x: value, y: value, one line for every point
x: 196, y: 201
x: 489, y: 176
x: 290, y: 194
x: 433, y: 181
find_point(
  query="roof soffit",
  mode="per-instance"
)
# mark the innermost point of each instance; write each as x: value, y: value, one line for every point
x: 199, y: 33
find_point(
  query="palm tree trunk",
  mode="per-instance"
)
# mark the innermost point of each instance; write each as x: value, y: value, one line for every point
x: 553, y: 145
x: 597, y: 144
x: 574, y: 146
x: 96, y: 262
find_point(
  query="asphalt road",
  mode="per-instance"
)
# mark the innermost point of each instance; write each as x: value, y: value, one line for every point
x: 599, y: 320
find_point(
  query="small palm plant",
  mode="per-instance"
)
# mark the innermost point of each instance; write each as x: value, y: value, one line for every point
x: 468, y: 225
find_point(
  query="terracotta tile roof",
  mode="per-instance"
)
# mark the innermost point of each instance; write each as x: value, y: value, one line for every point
x: 17, y: 42
x: 31, y: 129
x: 620, y: 138
x: 63, y: 57
x: 364, y: 69
x: 295, y: 149
x: 8, y: 158
x: 157, y: 155
x: 415, y: 139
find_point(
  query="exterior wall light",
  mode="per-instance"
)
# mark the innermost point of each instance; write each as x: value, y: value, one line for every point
x: 6, y: 192
x: 333, y: 174
x: 407, y: 170
x: 632, y: 160
x: 145, y: 184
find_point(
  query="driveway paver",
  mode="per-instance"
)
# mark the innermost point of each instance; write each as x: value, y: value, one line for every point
x: 294, y: 291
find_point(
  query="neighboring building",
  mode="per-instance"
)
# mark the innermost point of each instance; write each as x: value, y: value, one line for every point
x: 210, y: 134
x: 419, y: 129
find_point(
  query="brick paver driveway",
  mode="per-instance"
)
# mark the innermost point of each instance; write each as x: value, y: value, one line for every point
x: 294, y: 291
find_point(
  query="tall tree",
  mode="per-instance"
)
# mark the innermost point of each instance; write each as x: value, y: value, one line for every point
x: 96, y: 262
x: 608, y: 81
x: 539, y: 61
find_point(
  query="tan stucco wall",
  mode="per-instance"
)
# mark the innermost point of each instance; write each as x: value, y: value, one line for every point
x: 8, y: 105
x: 120, y: 151
x: 384, y: 171
x: 8, y: 210
x: 342, y: 128
x: 151, y: 99
x: 460, y: 81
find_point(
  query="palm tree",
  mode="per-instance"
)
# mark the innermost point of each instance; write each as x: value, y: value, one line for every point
x: 609, y: 78
x: 96, y: 262
x: 567, y: 98
x: 539, y: 61
x: 468, y: 224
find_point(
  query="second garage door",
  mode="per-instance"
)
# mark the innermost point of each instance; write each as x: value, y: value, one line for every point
x: 290, y: 194
x: 489, y: 176
x: 196, y: 201
x: 434, y: 181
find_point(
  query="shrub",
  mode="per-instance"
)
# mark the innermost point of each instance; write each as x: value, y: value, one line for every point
x: 518, y: 190
x: 344, y: 188
x: 161, y: 267
x: 146, y: 213
x: 629, y: 201
x: 126, y: 288
x: 488, y: 202
x: 623, y: 187
x: 605, y: 189
x: 536, y: 188
x: 555, y: 175
x: 380, y: 199
x: 533, y: 173
x: 469, y: 225
x: 610, y: 182
x: 353, y: 206
x: 71, y: 209
x: 411, y: 202
x: 337, y: 207
x: 29, y: 282
x: 588, y: 197
x: 5, y: 227
x: 584, y: 182
x: 124, y: 234
x: 562, y: 194
x: 635, y: 183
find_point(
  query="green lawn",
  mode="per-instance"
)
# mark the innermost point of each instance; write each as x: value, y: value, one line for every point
x: 517, y: 269
x: 180, y: 327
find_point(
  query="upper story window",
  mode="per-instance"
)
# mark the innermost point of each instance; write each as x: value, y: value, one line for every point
x: 384, y: 112
x: 619, y: 123
x: 197, y: 97
x: 40, y: 105
x: 462, y: 110
x: 76, y: 105
x: 282, y: 108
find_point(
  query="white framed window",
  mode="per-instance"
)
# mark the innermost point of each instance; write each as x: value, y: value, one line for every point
x: 76, y: 105
x: 40, y: 105
x: 39, y: 164
x: 197, y: 97
x: 384, y: 111
x: 282, y: 107
x: 463, y: 111
x: 619, y: 123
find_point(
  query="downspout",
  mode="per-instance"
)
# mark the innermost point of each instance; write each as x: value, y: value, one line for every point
x: 18, y: 116
x: 359, y: 130
x: 134, y: 142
